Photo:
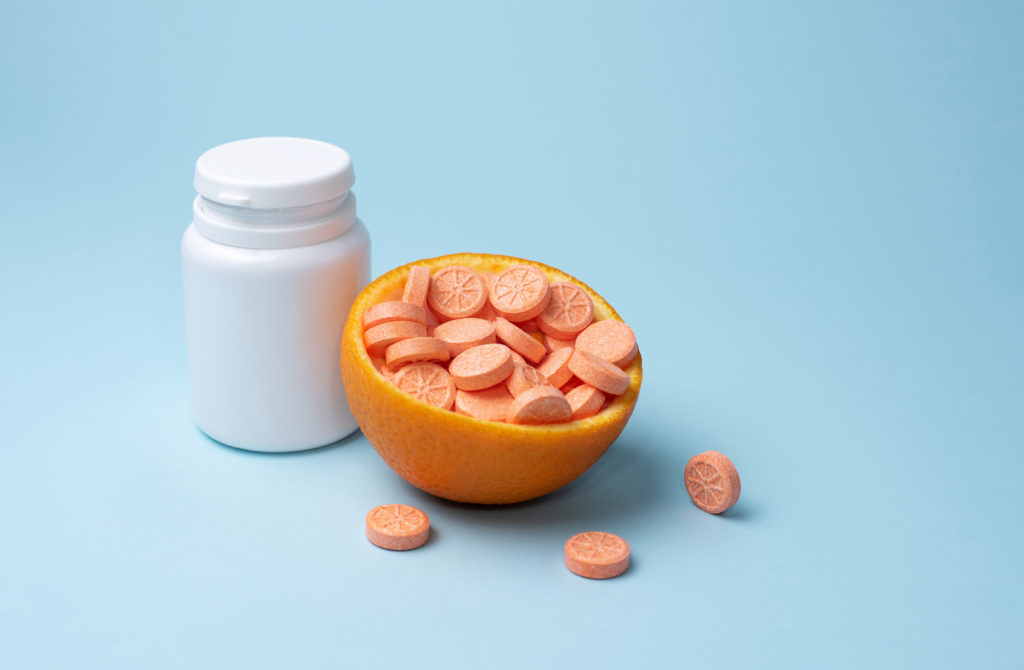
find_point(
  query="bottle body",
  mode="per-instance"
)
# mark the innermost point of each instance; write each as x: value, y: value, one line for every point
x: 263, y: 329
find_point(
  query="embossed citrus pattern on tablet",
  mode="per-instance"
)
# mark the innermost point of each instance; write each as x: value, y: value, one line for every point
x: 398, y: 519
x: 704, y: 484
x: 597, y: 547
x: 569, y: 311
x: 519, y: 287
x: 457, y: 292
x: 428, y: 382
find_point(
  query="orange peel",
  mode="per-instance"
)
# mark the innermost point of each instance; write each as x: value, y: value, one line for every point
x: 459, y: 457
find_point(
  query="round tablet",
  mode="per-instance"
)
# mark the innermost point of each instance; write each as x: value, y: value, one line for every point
x: 598, y: 372
x: 456, y: 292
x: 462, y: 334
x: 569, y: 311
x: 597, y: 555
x: 585, y: 401
x: 397, y: 527
x: 520, y: 293
x: 416, y: 350
x: 379, y: 338
x: 427, y: 381
x: 540, y: 404
x: 555, y: 367
x: 394, y: 310
x: 519, y: 340
x: 611, y: 340
x: 490, y: 404
x: 712, y: 482
x: 524, y: 377
x: 482, y: 366
x: 416, y: 286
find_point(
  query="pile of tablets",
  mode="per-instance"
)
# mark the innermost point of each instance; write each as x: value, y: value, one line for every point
x: 511, y: 347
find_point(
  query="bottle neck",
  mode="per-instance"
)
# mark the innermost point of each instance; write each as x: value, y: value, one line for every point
x: 273, y: 228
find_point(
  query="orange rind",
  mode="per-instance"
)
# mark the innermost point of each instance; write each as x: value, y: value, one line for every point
x: 459, y: 457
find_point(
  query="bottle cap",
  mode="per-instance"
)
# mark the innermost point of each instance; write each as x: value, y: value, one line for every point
x: 274, y: 173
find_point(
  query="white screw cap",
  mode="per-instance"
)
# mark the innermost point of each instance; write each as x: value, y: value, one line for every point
x: 274, y: 173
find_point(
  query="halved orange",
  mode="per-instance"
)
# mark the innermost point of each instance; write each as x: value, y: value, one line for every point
x: 457, y: 457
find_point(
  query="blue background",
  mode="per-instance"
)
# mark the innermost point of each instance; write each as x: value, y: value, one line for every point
x: 811, y: 214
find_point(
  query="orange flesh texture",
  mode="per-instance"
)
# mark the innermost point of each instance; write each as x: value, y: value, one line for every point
x: 458, y: 457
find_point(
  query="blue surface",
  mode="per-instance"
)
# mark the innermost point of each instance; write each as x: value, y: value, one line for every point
x: 812, y: 216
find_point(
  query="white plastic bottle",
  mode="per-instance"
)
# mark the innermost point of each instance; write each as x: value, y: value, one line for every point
x: 272, y: 262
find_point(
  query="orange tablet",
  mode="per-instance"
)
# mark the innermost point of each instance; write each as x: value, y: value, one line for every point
x: 597, y: 555
x: 427, y: 381
x: 540, y: 404
x: 569, y: 311
x: 456, y: 292
x: 520, y: 293
x: 482, y: 366
x: 712, y: 482
x: 611, y: 340
x: 397, y: 527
